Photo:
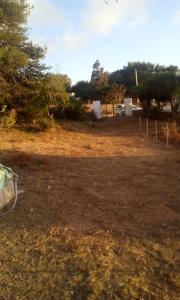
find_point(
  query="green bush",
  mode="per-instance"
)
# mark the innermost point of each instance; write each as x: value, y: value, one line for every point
x: 44, y: 124
x: 7, y: 118
x: 74, y: 111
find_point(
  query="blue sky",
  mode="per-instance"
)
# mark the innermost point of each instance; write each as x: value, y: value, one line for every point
x: 77, y: 32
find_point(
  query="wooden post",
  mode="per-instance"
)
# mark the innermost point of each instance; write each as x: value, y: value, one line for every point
x: 113, y: 108
x: 167, y: 134
x: 140, y: 125
x: 156, y: 131
x: 136, y: 77
x: 175, y: 128
x: 147, y: 127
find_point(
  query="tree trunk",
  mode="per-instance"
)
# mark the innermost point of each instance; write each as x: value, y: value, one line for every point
x: 175, y: 103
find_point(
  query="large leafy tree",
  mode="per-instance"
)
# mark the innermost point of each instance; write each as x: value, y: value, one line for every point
x: 126, y: 75
x: 52, y: 91
x: 114, y: 93
x: 20, y: 66
x: 160, y: 87
x: 12, y: 36
x: 82, y: 90
x: 57, y: 88
x: 99, y: 80
x: 155, y: 82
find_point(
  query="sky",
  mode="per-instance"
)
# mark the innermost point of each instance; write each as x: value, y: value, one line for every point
x: 77, y: 32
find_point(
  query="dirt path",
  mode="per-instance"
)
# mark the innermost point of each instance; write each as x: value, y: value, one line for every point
x: 95, y: 177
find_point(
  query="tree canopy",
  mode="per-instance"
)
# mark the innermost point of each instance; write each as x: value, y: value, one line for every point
x: 25, y: 84
x: 19, y: 58
x: 28, y: 86
x: 99, y: 87
x: 155, y: 82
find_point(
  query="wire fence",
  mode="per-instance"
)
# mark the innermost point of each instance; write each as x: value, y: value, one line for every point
x: 165, y: 131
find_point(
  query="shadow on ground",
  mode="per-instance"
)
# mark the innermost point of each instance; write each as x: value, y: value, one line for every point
x: 130, y: 196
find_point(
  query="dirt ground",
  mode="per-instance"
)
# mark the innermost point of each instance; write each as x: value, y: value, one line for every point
x: 94, y: 176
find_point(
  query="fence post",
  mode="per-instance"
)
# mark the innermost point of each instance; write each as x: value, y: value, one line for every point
x: 156, y: 130
x: 167, y: 134
x: 175, y: 128
x: 140, y: 125
x: 147, y: 127
x: 113, y: 109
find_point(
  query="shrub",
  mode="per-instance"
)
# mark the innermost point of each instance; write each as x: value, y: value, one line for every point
x: 45, y: 123
x: 74, y: 111
x: 7, y: 118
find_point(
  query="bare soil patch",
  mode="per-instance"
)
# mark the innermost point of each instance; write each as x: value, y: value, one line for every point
x: 89, y: 178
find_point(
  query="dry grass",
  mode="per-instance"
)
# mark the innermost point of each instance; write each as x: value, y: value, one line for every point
x: 99, y: 217
x: 173, y: 131
x: 62, y: 265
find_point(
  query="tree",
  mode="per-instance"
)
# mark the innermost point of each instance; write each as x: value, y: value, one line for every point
x: 160, y: 87
x: 82, y: 90
x: 156, y: 82
x: 114, y: 94
x: 175, y: 102
x: 99, y: 80
x: 11, y: 37
x: 20, y: 67
x: 57, y: 87
x: 145, y: 71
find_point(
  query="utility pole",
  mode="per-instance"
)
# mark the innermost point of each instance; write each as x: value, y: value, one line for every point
x: 136, y: 76
x: 57, y: 69
x: 137, y: 83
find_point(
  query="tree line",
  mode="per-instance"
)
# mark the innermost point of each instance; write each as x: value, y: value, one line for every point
x: 154, y: 85
x: 27, y: 86
x: 30, y: 92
